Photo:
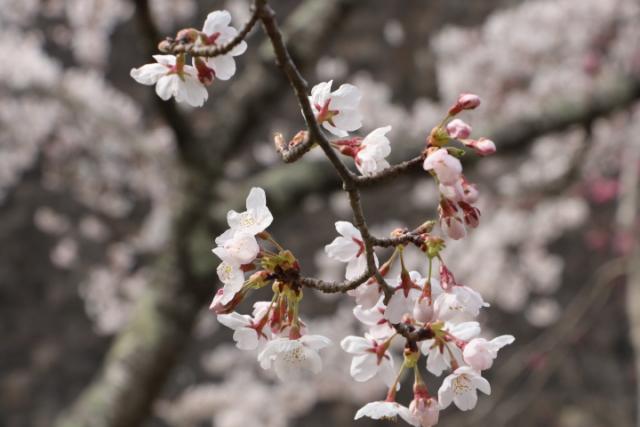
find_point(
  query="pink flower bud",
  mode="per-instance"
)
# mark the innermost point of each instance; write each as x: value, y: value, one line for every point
x: 425, y: 410
x: 458, y: 129
x: 205, y: 74
x: 482, y: 146
x: 466, y: 101
x: 485, y: 146
x: 447, y: 280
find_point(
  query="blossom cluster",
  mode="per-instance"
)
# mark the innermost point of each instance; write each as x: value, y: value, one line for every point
x: 433, y: 314
x: 442, y: 309
x: 188, y: 83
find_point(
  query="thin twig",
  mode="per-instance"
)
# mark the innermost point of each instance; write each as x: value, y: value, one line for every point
x: 176, y: 46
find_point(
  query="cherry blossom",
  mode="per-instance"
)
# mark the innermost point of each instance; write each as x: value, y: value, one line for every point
x: 232, y: 276
x: 292, y: 358
x: 370, y: 358
x: 256, y: 218
x: 460, y: 388
x: 349, y: 248
x: 384, y: 410
x: 459, y: 301
x: 443, y: 355
x: 373, y: 151
x: 236, y: 247
x: 337, y: 111
x: 247, y: 334
x: 217, y: 31
x: 446, y: 167
x: 172, y: 79
x: 480, y: 353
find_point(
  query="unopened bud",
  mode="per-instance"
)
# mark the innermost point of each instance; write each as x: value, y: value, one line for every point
x: 466, y: 101
x: 458, y: 129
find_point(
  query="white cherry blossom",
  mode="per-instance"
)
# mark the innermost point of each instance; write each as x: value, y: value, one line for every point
x: 236, y: 247
x: 373, y: 151
x: 245, y: 333
x: 349, y: 248
x: 459, y: 302
x: 337, y: 111
x: 460, y: 388
x: 370, y: 357
x: 256, y: 218
x: 218, y: 32
x: 480, y: 353
x: 386, y: 411
x: 293, y: 358
x: 446, y: 167
x: 172, y: 80
x: 439, y: 357
x: 232, y: 276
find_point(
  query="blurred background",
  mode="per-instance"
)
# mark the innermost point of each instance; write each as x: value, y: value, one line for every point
x: 110, y: 200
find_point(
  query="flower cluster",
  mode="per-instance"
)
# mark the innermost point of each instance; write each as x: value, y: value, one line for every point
x: 187, y: 83
x: 433, y: 314
x: 457, y: 195
x: 274, y: 328
x: 338, y: 112
x: 437, y: 305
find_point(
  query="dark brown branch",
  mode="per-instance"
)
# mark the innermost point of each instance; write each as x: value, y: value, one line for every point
x: 176, y: 47
x: 411, y: 333
x: 392, y: 172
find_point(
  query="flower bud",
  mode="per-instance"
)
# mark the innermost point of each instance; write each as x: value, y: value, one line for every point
x: 458, y: 129
x: 425, y: 410
x: 482, y: 146
x: 466, y: 101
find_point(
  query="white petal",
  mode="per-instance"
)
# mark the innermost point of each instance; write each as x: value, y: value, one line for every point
x: 256, y: 198
x: 168, y: 60
x: 342, y: 249
x: 348, y: 120
x: 355, y: 345
x: 192, y: 92
x: 481, y: 384
x: 466, y: 401
x: 223, y: 65
x: 356, y: 267
x: 364, y: 367
x: 315, y: 342
x: 234, y: 320
x: 334, y: 130
x: 149, y: 74
x: 216, y: 21
x: 348, y: 230
x: 347, y: 96
x: 166, y: 86
x: 503, y: 340
x: 246, y: 338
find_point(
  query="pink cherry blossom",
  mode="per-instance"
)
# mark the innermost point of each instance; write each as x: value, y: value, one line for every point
x: 446, y: 167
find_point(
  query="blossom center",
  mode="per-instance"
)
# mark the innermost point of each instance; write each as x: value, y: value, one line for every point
x: 247, y: 220
x: 295, y: 356
x: 461, y: 385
